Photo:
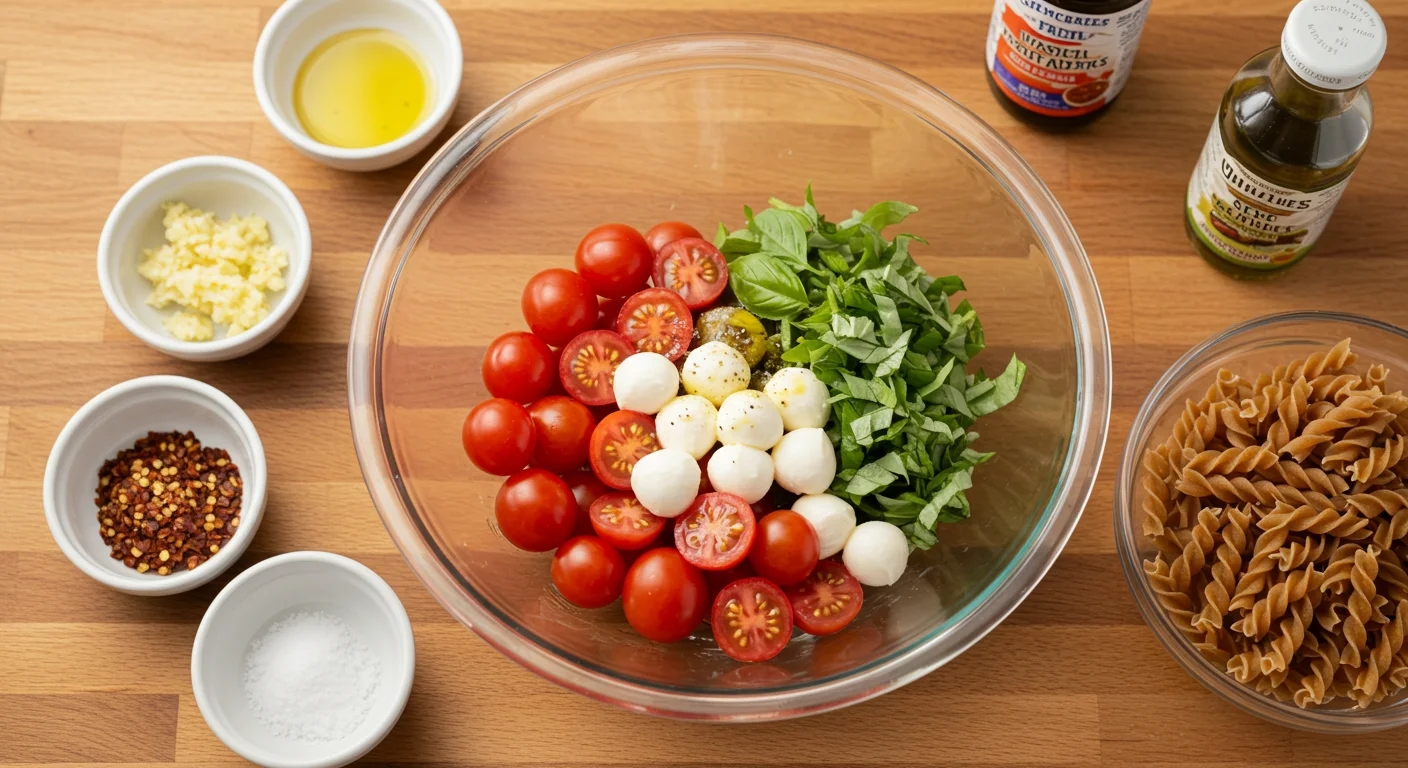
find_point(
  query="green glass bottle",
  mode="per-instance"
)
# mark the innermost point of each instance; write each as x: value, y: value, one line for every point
x: 1291, y: 129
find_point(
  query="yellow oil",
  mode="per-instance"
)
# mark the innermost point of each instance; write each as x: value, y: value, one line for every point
x: 361, y: 88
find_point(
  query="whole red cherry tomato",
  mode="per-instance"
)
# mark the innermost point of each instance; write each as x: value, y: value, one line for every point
x: 535, y: 510
x: 498, y: 436
x: 564, y: 433
x: 667, y: 232
x: 588, y: 572
x: 785, y: 547
x: 519, y: 366
x: 664, y: 597
x: 559, y: 304
x: 615, y: 260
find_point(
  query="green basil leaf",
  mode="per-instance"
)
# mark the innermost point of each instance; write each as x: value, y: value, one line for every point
x: 1004, y: 389
x: 766, y: 287
x: 781, y: 232
x: 885, y: 214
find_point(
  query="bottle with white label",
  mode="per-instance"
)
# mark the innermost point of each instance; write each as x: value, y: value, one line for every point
x: 1290, y: 131
x: 1061, y: 63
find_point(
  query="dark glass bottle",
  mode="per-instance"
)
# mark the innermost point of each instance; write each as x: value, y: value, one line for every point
x: 1062, y: 63
x: 1289, y: 133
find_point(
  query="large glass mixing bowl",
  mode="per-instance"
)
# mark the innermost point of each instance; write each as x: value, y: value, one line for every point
x: 693, y: 128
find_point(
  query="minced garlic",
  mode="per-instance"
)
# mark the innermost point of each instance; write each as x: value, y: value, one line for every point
x: 218, y: 271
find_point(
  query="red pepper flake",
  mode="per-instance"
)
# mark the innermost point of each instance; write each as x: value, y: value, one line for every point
x: 168, y: 503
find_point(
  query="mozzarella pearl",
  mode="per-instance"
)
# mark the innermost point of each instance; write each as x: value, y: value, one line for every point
x: 804, y: 461
x: 749, y: 418
x: 742, y: 471
x: 715, y: 371
x: 800, y: 397
x: 876, y: 553
x: 687, y: 423
x: 666, y: 481
x: 645, y: 381
x: 832, y: 519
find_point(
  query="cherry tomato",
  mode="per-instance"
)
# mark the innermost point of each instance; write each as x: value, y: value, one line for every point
x: 785, y: 547
x: 716, y: 531
x: 519, y: 366
x: 664, y: 597
x: 607, y: 312
x: 558, y: 304
x: 752, y: 619
x: 717, y: 580
x: 588, y: 366
x: 587, y: 572
x: 618, y: 442
x: 657, y: 320
x: 564, y: 433
x: 535, y: 510
x: 667, y: 232
x: 623, y: 522
x: 694, y: 269
x: 825, y: 601
x: 586, y: 488
x: 615, y: 260
x: 498, y: 436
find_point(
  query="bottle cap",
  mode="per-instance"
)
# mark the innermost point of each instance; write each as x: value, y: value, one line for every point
x: 1334, y: 44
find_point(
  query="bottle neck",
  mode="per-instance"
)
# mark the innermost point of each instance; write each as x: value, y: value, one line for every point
x: 1304, y: 99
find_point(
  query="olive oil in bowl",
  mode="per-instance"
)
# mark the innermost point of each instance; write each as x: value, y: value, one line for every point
x: 362, y: 88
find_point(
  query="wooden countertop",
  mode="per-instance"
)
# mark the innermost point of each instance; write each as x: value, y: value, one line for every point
x: 93, y: 94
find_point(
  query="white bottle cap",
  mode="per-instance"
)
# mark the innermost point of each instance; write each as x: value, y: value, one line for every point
x: 1334, y: 44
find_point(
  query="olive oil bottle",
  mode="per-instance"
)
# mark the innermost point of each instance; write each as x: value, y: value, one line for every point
x: 1291, y: 129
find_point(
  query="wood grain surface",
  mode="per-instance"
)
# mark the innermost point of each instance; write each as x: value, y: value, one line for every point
x: 95, y: 93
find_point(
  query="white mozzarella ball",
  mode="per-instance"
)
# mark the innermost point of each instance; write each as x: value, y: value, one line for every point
x: 741, y: 470
x: 715, y: 371
x: 666, y: 481
x: 749, y: 418
x: 645, y: 381
x: 687, y: 423
x: 804, y: 461
x: 831, y: 517
x: 876, y: 553
x: 800, y: 397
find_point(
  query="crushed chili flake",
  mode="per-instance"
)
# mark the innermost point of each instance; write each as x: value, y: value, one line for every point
x: 168, y: 503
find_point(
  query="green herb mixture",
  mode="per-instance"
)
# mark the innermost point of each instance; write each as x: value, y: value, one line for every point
x: 881, y: 333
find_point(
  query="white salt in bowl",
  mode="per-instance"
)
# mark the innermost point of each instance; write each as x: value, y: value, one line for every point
x: 275, y: 589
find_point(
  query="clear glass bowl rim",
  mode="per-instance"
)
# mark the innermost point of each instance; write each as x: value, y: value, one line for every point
x: 580, y: 79
x: 1341, y: 721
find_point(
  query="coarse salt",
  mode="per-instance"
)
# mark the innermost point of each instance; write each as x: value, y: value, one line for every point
x: 309, y: 677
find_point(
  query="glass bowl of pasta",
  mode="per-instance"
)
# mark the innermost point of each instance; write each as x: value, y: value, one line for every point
x: 1261, y: 515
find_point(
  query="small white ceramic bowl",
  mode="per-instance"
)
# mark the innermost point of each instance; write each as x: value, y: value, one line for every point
x: 112, y: 422
x: 225, y: 186
x: 269, y: 591
x: 300, y: 25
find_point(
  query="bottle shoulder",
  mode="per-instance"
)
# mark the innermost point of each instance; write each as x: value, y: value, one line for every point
x: 1290, y: 136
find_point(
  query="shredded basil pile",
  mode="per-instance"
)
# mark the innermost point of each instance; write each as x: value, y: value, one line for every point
x: 879, y: 331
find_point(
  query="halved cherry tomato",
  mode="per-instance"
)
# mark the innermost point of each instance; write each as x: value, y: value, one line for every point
x: 825, y: 601
x: 588, y: 365
x: 519, y: 366
x: 535, y: 510
x: 607, y: 311
x: 716, y: 531
x: 694, y: 269
x: 623, y: 522
x: 615, y: 260
x: 665, y: 597
x: 785, y: 547
x: 618, y: 442
x: 657, y: 320
x: 558, y: 304
x: 586, y: 488
x: 752, y: 620
x: 498, y: 436
x: 564, y: 433
x: 667, y: 232
x: 587, y: 572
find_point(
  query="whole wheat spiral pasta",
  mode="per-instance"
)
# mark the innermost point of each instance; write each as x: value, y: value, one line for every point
x: 1279, y: 508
